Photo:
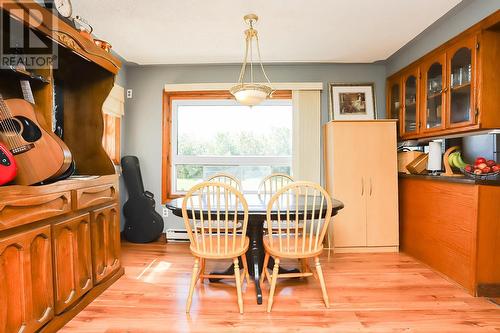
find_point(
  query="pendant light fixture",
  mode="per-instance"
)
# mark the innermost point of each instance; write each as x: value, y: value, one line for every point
x: 251, y: 93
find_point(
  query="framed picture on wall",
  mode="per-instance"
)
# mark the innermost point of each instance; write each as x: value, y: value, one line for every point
x: 352, y: 101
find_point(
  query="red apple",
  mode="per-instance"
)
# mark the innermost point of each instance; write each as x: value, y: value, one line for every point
x: 480, y: 160
x: 490, y: 163
x: 477, y: 172
x: 481, y: 166
x: 495, y: 168
x: 486, y: 169
x: 468, y: 168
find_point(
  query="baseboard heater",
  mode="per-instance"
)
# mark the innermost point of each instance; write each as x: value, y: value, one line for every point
x: 177, y: 235
x: 181, y: 235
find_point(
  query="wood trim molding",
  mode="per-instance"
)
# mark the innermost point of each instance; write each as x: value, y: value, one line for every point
x: 226, y: 86
x: 168, y: 97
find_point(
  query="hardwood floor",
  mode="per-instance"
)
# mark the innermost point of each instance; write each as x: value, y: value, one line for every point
x: 385, y: 292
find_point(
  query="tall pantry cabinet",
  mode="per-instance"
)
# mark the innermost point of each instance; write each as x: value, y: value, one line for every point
x: 361, y: 171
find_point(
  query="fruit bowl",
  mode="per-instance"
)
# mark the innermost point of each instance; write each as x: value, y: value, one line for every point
x: 483, y: 176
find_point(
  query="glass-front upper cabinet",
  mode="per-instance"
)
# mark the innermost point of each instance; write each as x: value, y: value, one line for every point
x: 461, y: 62
x: 434, y: 92
x: 394, y: 99
x: 411, y: 102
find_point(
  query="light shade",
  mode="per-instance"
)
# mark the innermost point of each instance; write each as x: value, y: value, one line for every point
x: 251, y: 94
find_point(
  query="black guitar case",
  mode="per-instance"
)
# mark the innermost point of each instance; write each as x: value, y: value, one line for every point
x: 142, y: 223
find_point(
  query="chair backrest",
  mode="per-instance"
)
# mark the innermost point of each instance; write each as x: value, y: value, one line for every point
x: 212, y: 212
x: 226, y: 178
x: 273, y: 183
x: 303, y: 211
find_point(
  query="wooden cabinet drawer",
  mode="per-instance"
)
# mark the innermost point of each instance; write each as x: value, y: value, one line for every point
x: 34, y: 208
x: 96, y: 195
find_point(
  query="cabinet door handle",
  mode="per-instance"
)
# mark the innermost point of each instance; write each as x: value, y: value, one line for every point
x: 45, y: 315
x: 70, y: 297
x: 362, y: 186
x: 371, y: 187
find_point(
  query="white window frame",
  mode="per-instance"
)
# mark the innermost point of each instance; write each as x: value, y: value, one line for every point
x: 220, y: 160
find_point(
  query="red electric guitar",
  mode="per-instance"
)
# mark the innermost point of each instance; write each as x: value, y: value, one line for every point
x: 8, y: 168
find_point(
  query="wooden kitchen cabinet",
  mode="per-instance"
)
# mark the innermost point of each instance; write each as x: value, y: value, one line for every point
x: 105, y: 242
x: 434, y: 88
x: 394, y: 99
x: 26, y: 294
x: 454, y: 88
x: 461, y: 64
x: 410, y: 118
x: 72, y: 260
x: 454, y: 228
x: 361, y: 171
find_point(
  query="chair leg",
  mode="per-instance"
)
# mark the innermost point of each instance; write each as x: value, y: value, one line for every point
x: 274, y: 278
x: 322, y: 282
x: 194, y: 278
x: 264, y: 268
x: 202, y: 269
x: 238, y: 284
x: 245, y: 267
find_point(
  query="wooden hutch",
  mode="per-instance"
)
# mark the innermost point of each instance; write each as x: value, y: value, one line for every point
x: 60, y: 242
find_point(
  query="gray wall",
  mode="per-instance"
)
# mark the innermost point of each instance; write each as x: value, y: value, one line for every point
x: 461, y: 17
x: 143, y: 116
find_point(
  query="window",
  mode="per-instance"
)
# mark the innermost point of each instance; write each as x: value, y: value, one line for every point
x: 211, y: 134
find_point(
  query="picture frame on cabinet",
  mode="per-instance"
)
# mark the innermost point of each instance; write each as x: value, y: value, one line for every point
x: 352, y: 101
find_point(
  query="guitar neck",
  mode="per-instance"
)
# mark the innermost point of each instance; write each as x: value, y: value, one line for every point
x: 27, y: 92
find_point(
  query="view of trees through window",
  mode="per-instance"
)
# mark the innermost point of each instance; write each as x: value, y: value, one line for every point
x: 249, y: 143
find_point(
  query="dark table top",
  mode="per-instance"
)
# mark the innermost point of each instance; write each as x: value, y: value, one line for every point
x: 257, y: 207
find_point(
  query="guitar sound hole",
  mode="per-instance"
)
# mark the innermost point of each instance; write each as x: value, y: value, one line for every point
x: 31, y: 132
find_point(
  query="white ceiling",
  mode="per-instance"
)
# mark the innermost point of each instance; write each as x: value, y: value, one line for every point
x: 211, y: 31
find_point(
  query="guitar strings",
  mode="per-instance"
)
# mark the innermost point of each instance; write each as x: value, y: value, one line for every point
x: 5, y: 125
x: 9, y: 121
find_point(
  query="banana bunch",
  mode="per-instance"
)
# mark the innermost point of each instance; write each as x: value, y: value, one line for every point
x: 456, y: 161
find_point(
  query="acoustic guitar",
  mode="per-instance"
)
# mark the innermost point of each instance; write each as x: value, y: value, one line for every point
x: 40, y: 155
x: 8, y: 167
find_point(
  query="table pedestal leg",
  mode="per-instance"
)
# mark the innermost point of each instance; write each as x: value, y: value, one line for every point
x: 255, y: 255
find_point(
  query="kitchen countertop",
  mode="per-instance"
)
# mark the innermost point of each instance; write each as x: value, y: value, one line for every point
x: 460, y: 180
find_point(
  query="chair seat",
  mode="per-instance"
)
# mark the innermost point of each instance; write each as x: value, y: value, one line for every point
x: 218, y: 248
x: 288, y: 248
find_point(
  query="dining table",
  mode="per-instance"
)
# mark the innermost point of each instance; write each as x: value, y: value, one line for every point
x: 257, y: 215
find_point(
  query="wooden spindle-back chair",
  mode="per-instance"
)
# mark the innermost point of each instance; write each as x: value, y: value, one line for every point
x: 212, y: 211
x: 303, y: 212
x: 270, y: 185
x: 226, y: 178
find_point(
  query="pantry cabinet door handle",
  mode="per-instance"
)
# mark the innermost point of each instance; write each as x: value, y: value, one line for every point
x: 362, y: 186
x: 371, y: 186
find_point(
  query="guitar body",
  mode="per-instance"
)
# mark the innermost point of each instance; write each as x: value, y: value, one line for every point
x: 8, y: 167
x: 48, y: 156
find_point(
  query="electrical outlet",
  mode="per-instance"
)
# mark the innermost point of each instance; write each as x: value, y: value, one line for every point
x: 129, y: 93
x: 165, y: 211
